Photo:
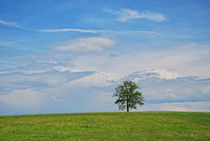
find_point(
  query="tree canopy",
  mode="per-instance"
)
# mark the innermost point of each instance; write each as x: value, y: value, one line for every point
x: 128, y: 96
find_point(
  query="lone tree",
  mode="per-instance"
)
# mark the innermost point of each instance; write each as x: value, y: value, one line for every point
x: 128, y: 96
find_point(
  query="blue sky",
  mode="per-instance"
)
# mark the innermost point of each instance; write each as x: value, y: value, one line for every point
x: 68, y: 56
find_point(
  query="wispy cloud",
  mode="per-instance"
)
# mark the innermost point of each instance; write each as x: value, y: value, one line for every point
x: 86, y: 45
x: 124, y: 15
x: 93, y: 31
x: 12, y: 24
x: 15, y: 25
x: 72, y: 30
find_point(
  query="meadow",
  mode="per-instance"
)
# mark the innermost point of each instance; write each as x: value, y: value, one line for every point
x: 121, y: 126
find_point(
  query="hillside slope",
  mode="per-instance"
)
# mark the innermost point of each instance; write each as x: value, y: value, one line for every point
x: 107, y: 126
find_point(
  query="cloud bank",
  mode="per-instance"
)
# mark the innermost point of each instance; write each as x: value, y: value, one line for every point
x: 179, y: 106
x: 23, y: 99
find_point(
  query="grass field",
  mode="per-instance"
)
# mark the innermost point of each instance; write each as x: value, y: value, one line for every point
x: 135, y: 126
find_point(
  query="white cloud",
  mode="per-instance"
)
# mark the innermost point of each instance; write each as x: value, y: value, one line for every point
x: 177, y: 62
x: 179, y: 106
x: 152, y: 16
x: 206, y: 90
x: 87, y: 45
x: 145, y: 75
x: 98, y: 79
x: 51, y: 79
x: 167, y: 64
x: 24, y: 99
x: 129, y: 14
x: 164, y: 74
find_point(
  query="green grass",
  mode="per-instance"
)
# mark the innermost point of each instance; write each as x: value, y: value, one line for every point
x: 135, y: 126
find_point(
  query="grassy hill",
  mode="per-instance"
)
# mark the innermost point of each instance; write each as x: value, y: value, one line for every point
x: 142, y: 126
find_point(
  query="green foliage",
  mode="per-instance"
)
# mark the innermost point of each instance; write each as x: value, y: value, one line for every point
x: 128, y: 96
x: 134, y: 126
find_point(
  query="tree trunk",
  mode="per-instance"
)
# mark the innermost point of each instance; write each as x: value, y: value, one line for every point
x: 127, y: 106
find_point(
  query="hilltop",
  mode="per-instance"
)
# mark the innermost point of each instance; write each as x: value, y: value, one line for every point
x: 107, y: 126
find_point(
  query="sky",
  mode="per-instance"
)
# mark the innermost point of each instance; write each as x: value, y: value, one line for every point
x: 68, y: 56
